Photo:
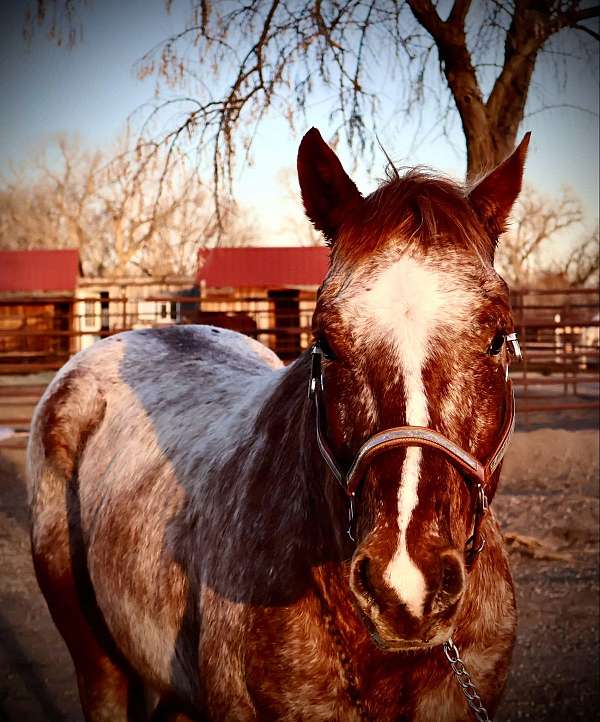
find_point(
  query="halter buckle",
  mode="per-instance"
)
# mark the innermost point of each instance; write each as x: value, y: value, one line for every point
x: 471, y: 551
x: 316, y: 373
x: 351, y: 498
x: 481, y: 507
x: 514, y: 346
x: 482, y: 500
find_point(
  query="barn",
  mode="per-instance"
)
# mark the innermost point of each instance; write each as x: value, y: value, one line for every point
x: 36, y: 307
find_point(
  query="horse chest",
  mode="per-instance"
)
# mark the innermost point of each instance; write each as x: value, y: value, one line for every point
x: 294, y: 684
x: 298, y: 666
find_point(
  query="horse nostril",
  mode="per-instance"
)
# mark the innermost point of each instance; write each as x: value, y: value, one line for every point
x: 452, y: 575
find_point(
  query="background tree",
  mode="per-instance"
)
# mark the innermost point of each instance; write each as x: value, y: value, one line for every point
x: 127, y: 213
x: 49, y: 201
x: 157, y: 214
x: 547, y: 243
x: 578, y: 268
x: 475, y: 58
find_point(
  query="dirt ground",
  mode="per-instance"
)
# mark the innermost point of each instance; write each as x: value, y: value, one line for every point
x: 548, y: 507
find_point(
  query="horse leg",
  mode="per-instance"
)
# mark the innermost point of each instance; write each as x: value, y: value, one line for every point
x: 108, y: 690
x: 165, y: 711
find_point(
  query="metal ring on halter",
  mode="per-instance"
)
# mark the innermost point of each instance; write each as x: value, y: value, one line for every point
x: 476, y: 542
x: 514, y: 346
x: 472, y: 550
x: 351, y: 512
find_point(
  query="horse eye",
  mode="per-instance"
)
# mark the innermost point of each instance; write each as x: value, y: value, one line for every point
x: 326, y: 348
x: 496, y: 345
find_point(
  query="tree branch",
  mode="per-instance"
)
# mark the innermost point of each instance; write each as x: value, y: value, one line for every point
x: 459, y: 12
x: 426, y: 14
x: 584, y: 14
x: 587, y: 30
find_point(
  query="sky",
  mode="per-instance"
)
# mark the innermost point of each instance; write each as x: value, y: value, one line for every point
x: 92, y: 89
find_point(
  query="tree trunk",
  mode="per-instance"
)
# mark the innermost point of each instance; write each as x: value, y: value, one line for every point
x: 490, y: 127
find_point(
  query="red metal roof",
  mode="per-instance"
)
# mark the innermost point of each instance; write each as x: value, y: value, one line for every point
x: 39, y: 270
x: 268, y: 266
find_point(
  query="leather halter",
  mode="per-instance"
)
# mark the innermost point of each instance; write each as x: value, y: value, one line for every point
x: 476, y: 474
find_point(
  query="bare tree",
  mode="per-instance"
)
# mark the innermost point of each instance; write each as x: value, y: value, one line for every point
x: 547, y: 242
x: 150, y: 216
x: 127, y: 214
x: 48, y: 201
x: 578, y: 268
x: 476, y: 59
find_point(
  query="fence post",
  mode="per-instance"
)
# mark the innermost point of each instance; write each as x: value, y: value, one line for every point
x: 566, y: 364
x: 523, y: 335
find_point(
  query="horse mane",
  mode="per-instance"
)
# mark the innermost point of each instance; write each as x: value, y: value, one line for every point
x: 422, y: 208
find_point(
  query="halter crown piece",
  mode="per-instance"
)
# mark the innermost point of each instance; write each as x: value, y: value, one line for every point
x: 475, y: 473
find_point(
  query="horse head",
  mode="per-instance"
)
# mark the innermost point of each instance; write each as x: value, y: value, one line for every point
x: 412, y: 321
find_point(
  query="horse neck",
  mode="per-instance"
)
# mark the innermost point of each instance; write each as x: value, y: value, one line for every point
x: 286, y: 434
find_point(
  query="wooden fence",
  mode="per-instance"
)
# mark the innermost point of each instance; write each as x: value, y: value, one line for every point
x: 559, y: 332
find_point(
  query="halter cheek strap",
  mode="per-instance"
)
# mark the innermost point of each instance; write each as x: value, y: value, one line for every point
x: 476, y: 475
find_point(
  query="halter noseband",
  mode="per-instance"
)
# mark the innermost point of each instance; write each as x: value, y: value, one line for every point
x: 475, y: 474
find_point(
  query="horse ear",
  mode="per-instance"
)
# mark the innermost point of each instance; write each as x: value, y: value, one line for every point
x: 494, y: 196
x: 327, y: 191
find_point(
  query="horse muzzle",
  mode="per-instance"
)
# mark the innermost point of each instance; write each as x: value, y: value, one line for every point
x: 414, y: 612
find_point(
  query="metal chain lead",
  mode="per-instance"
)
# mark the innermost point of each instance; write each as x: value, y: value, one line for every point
x: 464, y: 680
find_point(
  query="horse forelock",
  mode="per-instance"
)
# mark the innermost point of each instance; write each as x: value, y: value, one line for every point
x: 421, y: 210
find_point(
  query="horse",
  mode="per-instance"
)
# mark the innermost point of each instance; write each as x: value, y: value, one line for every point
x: 222, y: 537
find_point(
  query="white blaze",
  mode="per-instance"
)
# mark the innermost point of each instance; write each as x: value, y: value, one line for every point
x: 406, y: 304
